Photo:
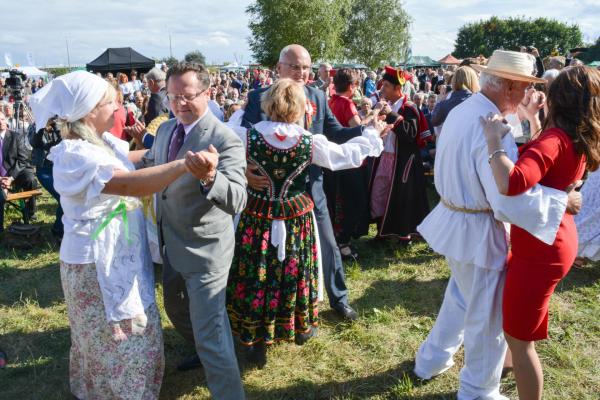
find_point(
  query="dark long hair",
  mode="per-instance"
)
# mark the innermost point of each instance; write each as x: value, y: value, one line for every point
x: 574, y: 106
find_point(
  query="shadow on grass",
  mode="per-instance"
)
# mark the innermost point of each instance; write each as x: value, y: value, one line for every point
x: 421, y: 298
x: 394, y: 383
x: 580, y: 277
x: 41, y: 285
x: 38, y: 365
x: 378, y: 254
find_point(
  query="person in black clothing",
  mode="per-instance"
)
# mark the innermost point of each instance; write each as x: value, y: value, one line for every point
x: 41, y: 142
x: 16, y: 171
x: 157, y: 104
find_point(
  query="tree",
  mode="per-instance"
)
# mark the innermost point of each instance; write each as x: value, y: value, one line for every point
x: 545, y: 34
x: 317, y: 25
x: 170, y: 61
x: 377, y: 32
x: 195, y: 56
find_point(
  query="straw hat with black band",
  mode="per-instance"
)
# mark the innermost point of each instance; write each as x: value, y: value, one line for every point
x: 511, y: 65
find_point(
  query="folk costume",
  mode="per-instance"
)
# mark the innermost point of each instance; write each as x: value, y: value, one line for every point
x: 272, y: 293
x: 397, y: 187
x: 105, y: 266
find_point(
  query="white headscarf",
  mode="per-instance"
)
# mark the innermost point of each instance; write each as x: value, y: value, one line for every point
x: 71, y: 97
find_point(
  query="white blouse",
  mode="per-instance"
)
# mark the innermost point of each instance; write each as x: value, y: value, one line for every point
x: 325, y: 154
x: 125, y: 274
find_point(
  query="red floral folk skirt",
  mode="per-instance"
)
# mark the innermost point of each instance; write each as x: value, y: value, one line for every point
x: 269, y: 300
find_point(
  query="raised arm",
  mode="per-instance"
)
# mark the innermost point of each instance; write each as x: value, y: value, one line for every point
x: 146, y: 181
x: 351, y: 154
x: 538, y: 210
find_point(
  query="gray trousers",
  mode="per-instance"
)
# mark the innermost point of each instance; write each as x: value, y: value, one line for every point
x: 195, y: 304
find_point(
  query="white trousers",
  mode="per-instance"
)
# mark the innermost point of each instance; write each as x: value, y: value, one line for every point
x: 471, y: 314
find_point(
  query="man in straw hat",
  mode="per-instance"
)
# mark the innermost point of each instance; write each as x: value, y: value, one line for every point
x: 464, y: 228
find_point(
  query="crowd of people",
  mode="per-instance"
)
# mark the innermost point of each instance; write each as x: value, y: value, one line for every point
x: 250, y: 188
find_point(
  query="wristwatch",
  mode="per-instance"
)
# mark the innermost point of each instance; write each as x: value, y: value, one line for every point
x: 209, y: 181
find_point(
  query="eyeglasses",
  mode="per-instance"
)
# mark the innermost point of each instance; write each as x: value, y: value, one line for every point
x: 297, y: 68
x: 185, y: 97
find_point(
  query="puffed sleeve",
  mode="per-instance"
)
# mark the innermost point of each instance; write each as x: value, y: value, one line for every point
x: 351, y: 154
x: 81, y: 169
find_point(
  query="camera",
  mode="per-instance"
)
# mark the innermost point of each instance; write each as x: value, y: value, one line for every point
x: 14, y: 84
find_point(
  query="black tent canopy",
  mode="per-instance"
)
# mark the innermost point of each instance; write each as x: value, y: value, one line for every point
x: 120, y: 59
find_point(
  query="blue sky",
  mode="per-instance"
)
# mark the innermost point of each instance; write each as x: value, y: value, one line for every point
x: 219, y: 28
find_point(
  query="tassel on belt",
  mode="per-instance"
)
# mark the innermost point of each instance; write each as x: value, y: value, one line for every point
x: 465, y: 210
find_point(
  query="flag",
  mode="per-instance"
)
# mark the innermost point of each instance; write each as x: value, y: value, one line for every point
x: 30, y: 61
x: 8, y: 60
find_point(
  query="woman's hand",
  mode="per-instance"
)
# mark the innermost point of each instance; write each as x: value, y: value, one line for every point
x: 494, y: 129
x: 531, y: 104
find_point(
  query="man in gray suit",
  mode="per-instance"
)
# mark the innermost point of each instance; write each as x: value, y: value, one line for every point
x: 194, y: 216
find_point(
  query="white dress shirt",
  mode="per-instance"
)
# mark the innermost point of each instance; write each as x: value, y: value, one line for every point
x: 464, y: 178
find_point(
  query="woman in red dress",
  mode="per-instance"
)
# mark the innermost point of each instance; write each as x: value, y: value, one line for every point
x: 558, y: 157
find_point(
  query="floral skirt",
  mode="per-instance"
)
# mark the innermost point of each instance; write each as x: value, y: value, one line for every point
x: 109, y: 360
x: 269, y: 300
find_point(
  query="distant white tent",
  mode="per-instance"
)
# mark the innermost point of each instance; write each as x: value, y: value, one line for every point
x: 33, y: 72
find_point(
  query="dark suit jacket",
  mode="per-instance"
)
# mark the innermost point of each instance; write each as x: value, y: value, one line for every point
x: 16, y: 154
x: 323, y: 122
x: 156, y: 106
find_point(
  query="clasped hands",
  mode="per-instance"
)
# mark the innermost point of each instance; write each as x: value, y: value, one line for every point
x: 203, y: 164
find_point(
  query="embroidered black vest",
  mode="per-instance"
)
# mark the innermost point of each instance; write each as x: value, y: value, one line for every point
x: 287, y: 172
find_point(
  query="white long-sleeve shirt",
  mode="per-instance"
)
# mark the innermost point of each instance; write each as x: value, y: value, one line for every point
x: 463, y: 177
x: 325, y: 154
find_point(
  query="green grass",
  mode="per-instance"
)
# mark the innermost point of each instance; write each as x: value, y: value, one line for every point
x: 397, y: 293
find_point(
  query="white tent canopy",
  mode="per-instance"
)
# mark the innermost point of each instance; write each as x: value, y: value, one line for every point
x: 31, y: 72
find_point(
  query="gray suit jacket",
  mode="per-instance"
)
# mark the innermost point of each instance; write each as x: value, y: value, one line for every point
x: 195, y: 225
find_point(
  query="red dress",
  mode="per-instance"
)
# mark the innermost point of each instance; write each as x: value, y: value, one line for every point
x: 535, y: 268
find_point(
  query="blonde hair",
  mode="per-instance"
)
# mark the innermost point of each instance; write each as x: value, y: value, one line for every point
x: 80, y: 130
x: 465, y: 78
x: 284, y: 101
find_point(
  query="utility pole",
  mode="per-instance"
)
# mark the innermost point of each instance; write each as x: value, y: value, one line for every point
x: 68, y: 55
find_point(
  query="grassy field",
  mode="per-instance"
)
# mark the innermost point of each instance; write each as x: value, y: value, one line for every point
x: 397, y: 293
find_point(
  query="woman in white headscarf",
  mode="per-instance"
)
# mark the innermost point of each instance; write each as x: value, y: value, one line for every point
x: 105, y: 266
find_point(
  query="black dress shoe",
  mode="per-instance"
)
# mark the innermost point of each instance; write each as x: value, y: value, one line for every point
x: 192, y: 362
x: 256, y: 355
x: 345, y: 311
x: 302, y: 338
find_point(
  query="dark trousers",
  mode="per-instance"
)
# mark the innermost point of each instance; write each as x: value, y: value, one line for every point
x: 44, y: 175
x: 24, y: 181
x: 349, y: 188
x: 333, y: 269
